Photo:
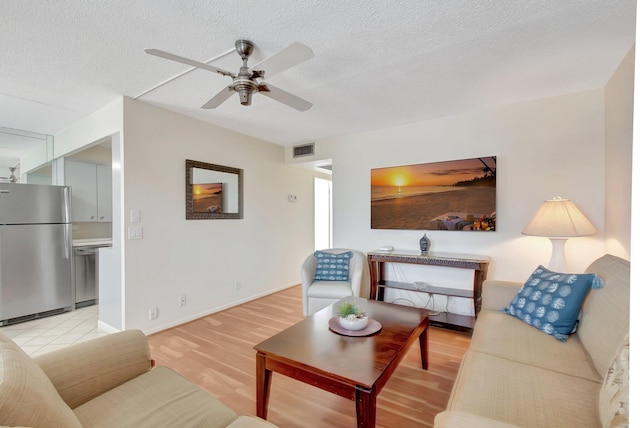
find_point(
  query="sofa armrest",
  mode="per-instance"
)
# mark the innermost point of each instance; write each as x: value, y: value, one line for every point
x: 498, y: 294
x: 85, y: 370
x: 458, y: 419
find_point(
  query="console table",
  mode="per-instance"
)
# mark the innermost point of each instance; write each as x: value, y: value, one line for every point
x: 479, y: 264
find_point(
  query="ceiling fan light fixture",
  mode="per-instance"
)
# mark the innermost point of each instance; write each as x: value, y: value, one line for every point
x: 245, y: 97
x: 245, y: 88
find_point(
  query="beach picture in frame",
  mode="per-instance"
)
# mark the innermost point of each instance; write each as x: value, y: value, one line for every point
x: 457, y: 195
x: 207, y: 198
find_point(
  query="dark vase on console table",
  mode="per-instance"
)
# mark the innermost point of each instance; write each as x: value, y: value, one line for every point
x: 424, y: 244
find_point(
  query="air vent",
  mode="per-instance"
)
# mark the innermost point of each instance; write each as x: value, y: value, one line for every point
x: 304, y: 150
x: 33, y: 316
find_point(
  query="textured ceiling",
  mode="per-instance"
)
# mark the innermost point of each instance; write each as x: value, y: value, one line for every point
x: 376, y: 64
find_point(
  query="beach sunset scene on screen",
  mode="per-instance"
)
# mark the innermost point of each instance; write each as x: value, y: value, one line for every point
x: 450, y: 195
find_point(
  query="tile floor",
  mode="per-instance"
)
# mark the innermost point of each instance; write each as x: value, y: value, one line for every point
x: 50, y: 333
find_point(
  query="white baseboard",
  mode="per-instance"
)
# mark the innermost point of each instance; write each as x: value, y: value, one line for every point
x: 107, y: 328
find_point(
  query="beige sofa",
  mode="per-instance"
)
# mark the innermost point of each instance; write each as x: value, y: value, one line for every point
x: 515, y: 375
x: 106, y: 382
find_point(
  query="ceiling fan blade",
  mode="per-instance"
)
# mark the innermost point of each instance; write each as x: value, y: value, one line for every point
x: 219, y: 98
x: 294, y: 54
x: 191, y: 62
x: 188, y: 70
x: 285, y: 97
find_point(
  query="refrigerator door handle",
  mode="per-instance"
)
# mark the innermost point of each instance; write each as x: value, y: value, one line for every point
x: 67, y: 205
x: 67, y: 244
x: 4, y: 191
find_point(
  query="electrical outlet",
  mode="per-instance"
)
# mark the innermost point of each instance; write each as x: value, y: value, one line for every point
x: 238, y: 285
x: 153, y: 313
x: 182, y: 300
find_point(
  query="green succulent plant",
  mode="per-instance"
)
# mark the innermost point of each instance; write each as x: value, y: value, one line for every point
x: 351, y: 310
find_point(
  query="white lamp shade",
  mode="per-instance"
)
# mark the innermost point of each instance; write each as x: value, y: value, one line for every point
x: 559, y: 218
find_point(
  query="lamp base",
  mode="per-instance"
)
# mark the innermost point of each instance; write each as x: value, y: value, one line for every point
x: 558, y: 263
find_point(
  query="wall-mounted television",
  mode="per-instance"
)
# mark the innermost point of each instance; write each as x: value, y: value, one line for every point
x: 458, y: 195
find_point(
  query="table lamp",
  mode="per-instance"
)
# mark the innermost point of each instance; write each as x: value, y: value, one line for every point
x: 559, y: 219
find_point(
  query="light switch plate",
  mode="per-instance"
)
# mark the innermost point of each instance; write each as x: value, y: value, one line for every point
x: 135, y: 232
x: 135, y: 216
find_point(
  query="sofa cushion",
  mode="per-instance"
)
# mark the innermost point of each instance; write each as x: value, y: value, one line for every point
x: 160, y: 397
x: 27, y: 397
x: 332, y: 266
x: 330, y: 289
x: 502, y: 335
x: 498, y: 294
x: 551, y: 301
x: 605, y: 316
x: 614, y: 394
x: 523, y: 395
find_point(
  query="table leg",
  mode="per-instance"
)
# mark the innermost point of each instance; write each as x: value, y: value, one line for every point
x: 424, y: 347
x: 479, y: 277
x: 381, y: 277
x: 373, y: 280
x: 263, y: 385
x: 365, y: 408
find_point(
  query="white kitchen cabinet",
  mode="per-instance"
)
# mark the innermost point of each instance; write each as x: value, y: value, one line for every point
x: 103, y: 186
x: 90, y: 191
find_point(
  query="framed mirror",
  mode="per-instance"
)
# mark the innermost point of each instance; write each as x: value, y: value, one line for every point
x: 213, y: 191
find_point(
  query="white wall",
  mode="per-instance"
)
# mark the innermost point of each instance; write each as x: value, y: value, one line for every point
x: 204, y: 259
x: 545, y: 148
x: 111, y: 259
x: 37, y: 157
x: 95, y: 127
x: 619, y: 142
x: 323, y: 229
x: 104, y: 123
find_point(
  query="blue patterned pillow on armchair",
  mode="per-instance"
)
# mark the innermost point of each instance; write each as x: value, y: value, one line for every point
x: 551, y: 301
x: 332, y: 267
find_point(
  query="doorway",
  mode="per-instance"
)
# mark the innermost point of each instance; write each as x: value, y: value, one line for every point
x: 323, y: 210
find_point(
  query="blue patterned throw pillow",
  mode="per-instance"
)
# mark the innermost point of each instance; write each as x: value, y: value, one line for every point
x: 332, y: 267
x: 551, y: 301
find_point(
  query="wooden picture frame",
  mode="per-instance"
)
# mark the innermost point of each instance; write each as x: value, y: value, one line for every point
x: 213, y: 191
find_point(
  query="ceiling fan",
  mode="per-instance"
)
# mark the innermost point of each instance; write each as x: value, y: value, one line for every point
x: 251, y: 80
x: 12, y: 178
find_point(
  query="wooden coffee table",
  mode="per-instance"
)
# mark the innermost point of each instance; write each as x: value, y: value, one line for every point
x: 356, y: 368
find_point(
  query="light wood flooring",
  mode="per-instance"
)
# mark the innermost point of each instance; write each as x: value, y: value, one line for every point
x: 216, y: 352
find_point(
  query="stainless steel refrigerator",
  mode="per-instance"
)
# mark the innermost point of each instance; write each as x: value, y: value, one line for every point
x: 35, y: 251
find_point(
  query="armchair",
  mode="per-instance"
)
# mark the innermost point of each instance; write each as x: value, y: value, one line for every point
x: 318, y: 294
